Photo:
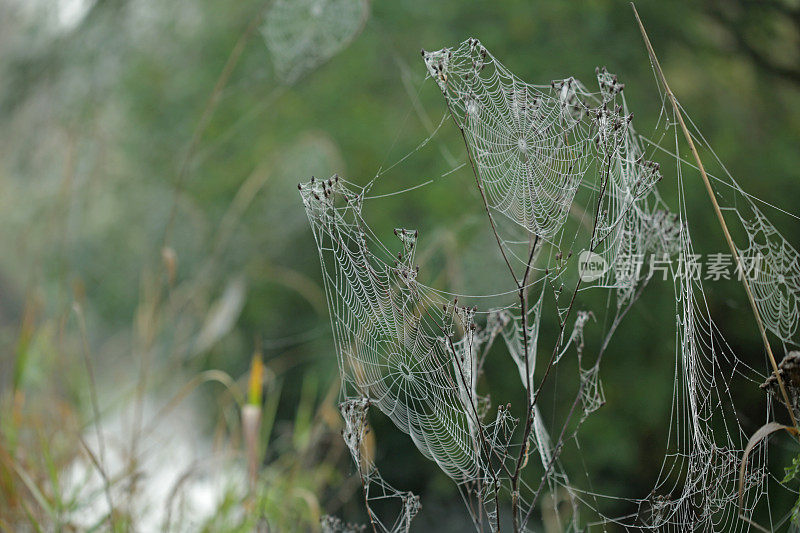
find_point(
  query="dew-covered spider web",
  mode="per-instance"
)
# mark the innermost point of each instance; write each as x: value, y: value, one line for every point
x: 302, y: 34
x: 571, y: 191
x: 776, y: 283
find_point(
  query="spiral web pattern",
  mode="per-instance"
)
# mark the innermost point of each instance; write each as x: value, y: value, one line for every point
x: 394, y: 338
x: 542, y: 153
x: 302, y: 34
x: 775, y: 266
x: 535, y: 145
x: 530, y: 146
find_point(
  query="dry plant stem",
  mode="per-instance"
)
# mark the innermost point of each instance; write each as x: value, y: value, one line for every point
x: 560, y: 441
x: 96, y: 412
x: 556, y: 453
x: 718, y: 212
x: 364, y: 483
x: 487, y: 450
x: 475, y: 515
x: 524, y: 309
x: 521, y: 285
x: 523, y: 300
x: 550, y: 364
x: 592, y: 247
x: 366, y: 500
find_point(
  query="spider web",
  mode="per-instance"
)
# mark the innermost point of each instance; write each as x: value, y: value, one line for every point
x: 302, y: 34
x: 776, y: 266
x: 565, y: 169
x: 394, y: 337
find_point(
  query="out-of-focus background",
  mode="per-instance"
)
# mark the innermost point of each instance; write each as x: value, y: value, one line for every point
x: 153, y: 239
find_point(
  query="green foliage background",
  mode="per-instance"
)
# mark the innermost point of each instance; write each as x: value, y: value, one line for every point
x: 96, y: 121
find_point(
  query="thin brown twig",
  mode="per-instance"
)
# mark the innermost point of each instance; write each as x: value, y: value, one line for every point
x: 520, y: 285
x: 96, y: 411
x: 484, y: 441
x: 523, y: 299
x: 366, y: 498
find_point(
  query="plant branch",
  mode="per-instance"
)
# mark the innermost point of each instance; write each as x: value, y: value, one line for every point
x: 523, y: 301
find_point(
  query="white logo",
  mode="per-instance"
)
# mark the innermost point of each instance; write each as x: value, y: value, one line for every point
x: 591, y: 266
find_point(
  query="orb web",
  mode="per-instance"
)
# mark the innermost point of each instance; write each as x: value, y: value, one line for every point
x: 302, y: 34
x: 528, y: 142
x: 393, y: 337
x: 773, y: 265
